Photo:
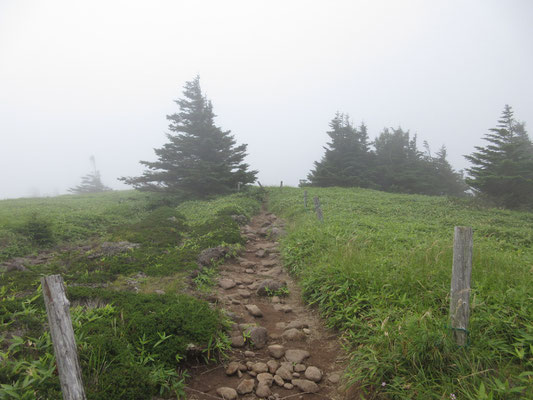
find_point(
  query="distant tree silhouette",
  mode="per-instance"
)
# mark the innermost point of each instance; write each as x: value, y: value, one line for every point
x: 346, y: 160
x: 90, y: 183
x: 503, y: 169
x: 200, y: 158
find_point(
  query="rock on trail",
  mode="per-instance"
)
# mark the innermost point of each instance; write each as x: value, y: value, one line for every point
x: 279, y: 347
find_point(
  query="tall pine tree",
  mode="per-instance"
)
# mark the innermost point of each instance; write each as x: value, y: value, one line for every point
x: 345, y: 162
x: 503, y: 169
x: 200, y: 158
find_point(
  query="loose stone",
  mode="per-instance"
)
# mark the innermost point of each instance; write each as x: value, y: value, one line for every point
x: 288, y: 386
x: 226, y: 283
x: 227, y: 393
x: 313, y: 374
x: 237, y: 341
x: 249, y: 353
x: 265, y: 377
x: 305, y: 385
x: 293, y: 334
x: 232, y: 368
x: 296, y: 356
x: 296, y: 324
x: 259, y: 367
x: 334, y: 378
x: 300, y: 367
x: 272, y: 365
x: 246, y: 386
x: 259, y: 337
x: 295, y: 375
x: 276, y: 350
x: 270, y: 286
x: 254, y: 310
x: 278, y: 380
x: 284, y: 373
x: 262, y: 390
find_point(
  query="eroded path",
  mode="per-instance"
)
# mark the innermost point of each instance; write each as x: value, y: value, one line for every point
x: 280, y: 348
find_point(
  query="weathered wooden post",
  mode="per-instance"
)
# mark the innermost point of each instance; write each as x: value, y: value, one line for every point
x: 57, y: 308
x: 281, y: 185
x: 305, y: 198
x: 318, y: 209
x: 261, y: 186
x: 238, y: 186
x: 460, y: 287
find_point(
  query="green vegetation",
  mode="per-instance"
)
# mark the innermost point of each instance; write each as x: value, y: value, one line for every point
x: 379, y: 270
x: 115, y: 251
x: 502, y: 171
x: 200, y: 158
x: 395, y: 164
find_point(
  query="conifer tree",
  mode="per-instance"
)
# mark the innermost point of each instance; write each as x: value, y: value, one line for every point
x: 503, y: 169
x: 345, y: 162
x: 90, y: 183
x: 200, y: 158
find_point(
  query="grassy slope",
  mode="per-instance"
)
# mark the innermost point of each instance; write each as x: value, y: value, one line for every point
x: 130, y: 344
x: 379, y: 268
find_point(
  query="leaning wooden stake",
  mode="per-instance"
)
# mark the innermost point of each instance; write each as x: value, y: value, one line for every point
x: 305, y: 198
x: 318, y: 209
x: 57, y: 308
x: 460, y: 288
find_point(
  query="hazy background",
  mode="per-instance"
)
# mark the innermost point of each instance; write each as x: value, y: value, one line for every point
x: 82, y: 78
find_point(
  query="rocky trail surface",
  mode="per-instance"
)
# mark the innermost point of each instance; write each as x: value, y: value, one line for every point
x: 280, y: 348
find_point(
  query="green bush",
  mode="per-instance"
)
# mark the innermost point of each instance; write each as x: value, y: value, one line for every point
x: 38, y: 230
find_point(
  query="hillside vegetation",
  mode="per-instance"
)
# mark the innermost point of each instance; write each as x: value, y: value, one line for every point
x: 127, y: 259
x: 379, y: 269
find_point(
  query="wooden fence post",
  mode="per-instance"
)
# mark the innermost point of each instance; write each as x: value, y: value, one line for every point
x: 57, y: 308
x: 238, y: 186
x: 305, y: 198
x: 318, y: 209
x: 460, y: 287
x: 281, y: 185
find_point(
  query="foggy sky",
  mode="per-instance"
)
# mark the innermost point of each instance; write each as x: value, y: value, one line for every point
x: 82, y: 78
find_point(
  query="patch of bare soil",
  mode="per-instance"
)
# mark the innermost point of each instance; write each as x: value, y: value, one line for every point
x: 280, y: 348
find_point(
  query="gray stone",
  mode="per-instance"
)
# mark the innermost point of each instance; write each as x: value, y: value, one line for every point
x: 288, y: 386
x: 208, y: 256
x: 227, y: 393
x: 300, y: 367
x: 265, y: 377
x: 232, y: 368
x: 272, y: 365
x: 263, y: 390
x: 226, y: 283
x: 296, y: 356
x: 261, y: 253
x: 237, y: 341
x: 296, y: 324
x: 159, y: 291
x: 334, y: 378
x: 307, y: 331
x: 270, y: 286
x: 295, y: 375
x: 305, y: 385
x: 244, y: 293
x: 293, y: 334
x: 313, y: 374
x: 278, y: 380
x: 258, y: 337
x: 288, y: 365
x: 286, y: 309
x: 246, y: 386
x: 249, y: 353
x: 275, y: 300
x: 276, y: 350
x: 284, y: 373
x: 254, y: 310
x: 260, y: 367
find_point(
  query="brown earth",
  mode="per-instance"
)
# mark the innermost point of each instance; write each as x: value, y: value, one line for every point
x: 242, y: 276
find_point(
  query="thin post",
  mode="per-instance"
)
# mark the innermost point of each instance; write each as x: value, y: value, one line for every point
x: 460, y: 287
x: 318, y: 209
x: 281, y: 185
x: 305, y: 198
x: 261, y: 186
x: 57, y: 309
x: 238, y: 186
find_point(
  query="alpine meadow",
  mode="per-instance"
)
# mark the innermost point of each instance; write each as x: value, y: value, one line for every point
x: 266, y: 200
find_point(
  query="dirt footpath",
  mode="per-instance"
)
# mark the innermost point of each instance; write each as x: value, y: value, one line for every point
x: 280, y: 348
